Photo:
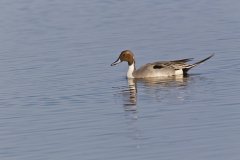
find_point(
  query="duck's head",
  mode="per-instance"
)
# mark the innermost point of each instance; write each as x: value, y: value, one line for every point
x: 127, y: 56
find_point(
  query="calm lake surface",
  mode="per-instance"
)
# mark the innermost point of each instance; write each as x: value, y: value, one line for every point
x: 60, y: 98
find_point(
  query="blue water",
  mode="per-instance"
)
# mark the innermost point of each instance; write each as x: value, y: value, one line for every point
x: 60, y: 98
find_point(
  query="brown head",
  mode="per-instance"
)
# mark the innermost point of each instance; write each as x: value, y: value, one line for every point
x: 127, y: 56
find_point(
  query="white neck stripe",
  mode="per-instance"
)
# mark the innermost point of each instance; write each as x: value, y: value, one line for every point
x: 131, y: 68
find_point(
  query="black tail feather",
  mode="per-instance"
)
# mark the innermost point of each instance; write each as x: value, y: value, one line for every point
x: 185, y: 70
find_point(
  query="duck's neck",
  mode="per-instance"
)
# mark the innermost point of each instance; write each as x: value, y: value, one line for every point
x: 131, y: 69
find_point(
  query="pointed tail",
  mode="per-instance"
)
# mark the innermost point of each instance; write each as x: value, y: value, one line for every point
x: 197, y: 63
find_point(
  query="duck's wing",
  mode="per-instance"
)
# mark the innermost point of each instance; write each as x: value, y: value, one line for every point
x: 182, y: 60
x: 156, y: 69
x: 175, y: 64
x: 179, y: 64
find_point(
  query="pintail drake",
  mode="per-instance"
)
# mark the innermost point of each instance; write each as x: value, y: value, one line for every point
x: 156, y: 69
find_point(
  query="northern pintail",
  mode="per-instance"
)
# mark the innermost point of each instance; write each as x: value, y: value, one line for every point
x: 156, y: 69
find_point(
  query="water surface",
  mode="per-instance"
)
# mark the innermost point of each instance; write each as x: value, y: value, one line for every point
x: 60, y: 99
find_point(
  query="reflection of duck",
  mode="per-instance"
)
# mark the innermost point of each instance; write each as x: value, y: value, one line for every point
x: 171, y: 89
x: 174, y: 81
x: 133, y: 92
x: 157, y: 88
x: 156, y: 69
x: 130, y: 96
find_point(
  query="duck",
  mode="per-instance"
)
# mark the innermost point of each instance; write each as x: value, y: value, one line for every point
x: 156, y: 69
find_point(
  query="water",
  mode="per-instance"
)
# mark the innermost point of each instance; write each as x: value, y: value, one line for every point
x: 60, y: 99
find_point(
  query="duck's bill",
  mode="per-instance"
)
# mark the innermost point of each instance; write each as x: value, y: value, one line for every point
x: 116, y: 62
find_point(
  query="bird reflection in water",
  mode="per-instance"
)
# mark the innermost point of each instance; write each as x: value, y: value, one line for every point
x: 157, y: 83
x: 151, y: 87
x: 130, y: 96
